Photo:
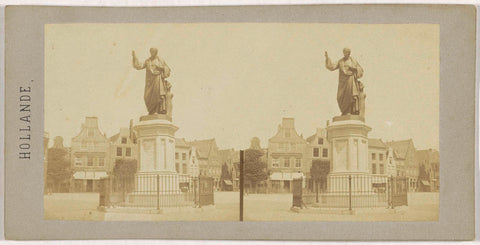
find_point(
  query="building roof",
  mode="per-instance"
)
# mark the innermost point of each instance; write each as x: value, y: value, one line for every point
x: 124, y: 132
x: 181, y: 142
x: 376, y: 143
x: 114, y: 137
x: 428, y: 155
x: 226, y: 153
x: 311, y: 138
x: 90, y: 123
x: 320, y: 132
x: 401, y: 147
x: 287, y: 124
x: 203, y: 146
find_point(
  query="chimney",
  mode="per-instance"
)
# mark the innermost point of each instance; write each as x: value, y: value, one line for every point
x: 288, y: 122
x: 91, y: 122
x: 58, y: 142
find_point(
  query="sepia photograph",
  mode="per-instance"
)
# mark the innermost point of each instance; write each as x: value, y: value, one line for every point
x: 241, y: 122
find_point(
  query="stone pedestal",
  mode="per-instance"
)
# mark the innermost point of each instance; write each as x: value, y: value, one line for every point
x: 348, y: 136
x: 156, y: 139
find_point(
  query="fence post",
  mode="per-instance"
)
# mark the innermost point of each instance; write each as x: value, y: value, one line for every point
x: 390, y: 194
x: 242, y: 173
x: 195, y: 192
x: 158, y: 192
x: 199, y: 192
x: 350, y: 192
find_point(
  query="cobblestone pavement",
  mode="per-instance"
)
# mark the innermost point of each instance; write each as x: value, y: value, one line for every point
x: 258, y: 207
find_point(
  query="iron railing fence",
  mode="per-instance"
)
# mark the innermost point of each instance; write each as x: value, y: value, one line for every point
x: 352, y: 191
x: 150, y: 191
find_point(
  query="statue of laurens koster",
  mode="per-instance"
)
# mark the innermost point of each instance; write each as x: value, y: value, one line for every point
x: 350, y: 94
x: 158, y: 96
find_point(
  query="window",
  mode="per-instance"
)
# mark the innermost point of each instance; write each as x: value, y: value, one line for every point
x: 298, y: 163
x: 380, y: 157
x: 324, y: 152
x: 176, y: 155
x: 184, y: 156
x: 286, y: 163
x: 382, y: 169
x: 90, y: 132
x: 315, y: 152
x: 320, y: 141
x: 134, y: 141
x: 184, y: 168
x: 373, y: 156
x: 128, y: 151
x: 287, y: 133
x: 78, y: 161
x: 101, y: 161
x: 177, y: 168
x: 275, y: 163
x: 119, y: 151
x: 124, y: 140
x: 374, y: 169
x: 90, y: 161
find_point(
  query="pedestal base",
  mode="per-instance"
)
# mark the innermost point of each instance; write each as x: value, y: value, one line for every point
x: 348, y: 136
x: 156, y: 139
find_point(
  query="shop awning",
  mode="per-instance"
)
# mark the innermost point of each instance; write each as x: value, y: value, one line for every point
x: 228, y: 182
x: 90, y: 175
x: 425, y: 182
x: 285, y: 176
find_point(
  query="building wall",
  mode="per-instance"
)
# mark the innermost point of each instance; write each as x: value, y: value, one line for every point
x: 123, y: 146
x: 182, y: 159
x: 318, y: 148
x: 391, y: 163
x: 411, y: 168
x: 377, y: 159
x: 90, y: 151
x: 286, y: 154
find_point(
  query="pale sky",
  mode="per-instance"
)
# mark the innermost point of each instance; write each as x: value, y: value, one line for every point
x: 236, y: 81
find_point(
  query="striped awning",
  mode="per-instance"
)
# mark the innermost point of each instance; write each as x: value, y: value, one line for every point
x: 425, y: 182
x: 89, y: 175
x: 286, y: 176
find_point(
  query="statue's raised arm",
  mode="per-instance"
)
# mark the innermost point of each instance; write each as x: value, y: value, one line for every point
x: 329, y: 64
x: 136, y: 64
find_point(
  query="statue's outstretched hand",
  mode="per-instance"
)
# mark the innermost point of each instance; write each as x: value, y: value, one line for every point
x: 133, y: 53
x: 326, y: 54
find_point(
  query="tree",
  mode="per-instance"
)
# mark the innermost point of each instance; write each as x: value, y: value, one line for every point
x: 255, y: 168
x: 226, y: 175
x: 318, y: 172
x: 125, y: 168
x: 59, y: 169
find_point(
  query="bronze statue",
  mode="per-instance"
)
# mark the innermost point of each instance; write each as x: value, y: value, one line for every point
x: 157, y: 89
x: 350, y: 94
